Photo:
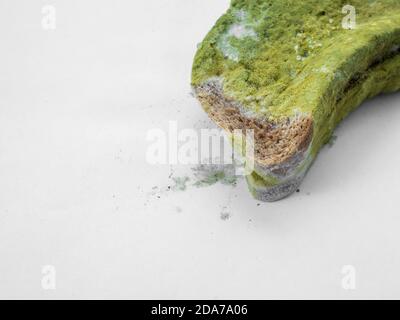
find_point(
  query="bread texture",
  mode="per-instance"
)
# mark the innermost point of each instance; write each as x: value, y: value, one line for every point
x: 290, y: 71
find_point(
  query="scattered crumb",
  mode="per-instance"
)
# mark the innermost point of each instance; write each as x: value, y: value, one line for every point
x: 225, y: 215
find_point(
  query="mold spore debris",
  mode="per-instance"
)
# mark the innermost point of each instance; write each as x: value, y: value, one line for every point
x: 207, y: 175
x: 178, y: 209
x: 203, y: 175
x: 225, y: 214
x: 180, y: 183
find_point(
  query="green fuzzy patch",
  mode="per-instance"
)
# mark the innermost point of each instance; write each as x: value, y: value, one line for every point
x: 281, y: 57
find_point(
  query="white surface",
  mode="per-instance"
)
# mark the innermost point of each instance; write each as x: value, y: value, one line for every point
x: 75, y: 106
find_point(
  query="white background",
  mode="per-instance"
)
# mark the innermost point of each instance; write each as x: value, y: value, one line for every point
x: 75, y: 188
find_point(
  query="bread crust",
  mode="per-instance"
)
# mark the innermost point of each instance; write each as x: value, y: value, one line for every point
x: 279, y: 146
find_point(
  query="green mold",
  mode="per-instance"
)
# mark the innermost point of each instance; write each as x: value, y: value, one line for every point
x: 285, y: 46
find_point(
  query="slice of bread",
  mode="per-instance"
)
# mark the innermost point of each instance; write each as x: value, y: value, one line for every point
x: 291, y: 72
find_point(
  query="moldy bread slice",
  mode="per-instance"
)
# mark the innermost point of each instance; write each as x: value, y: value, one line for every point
x: 290, y: 71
